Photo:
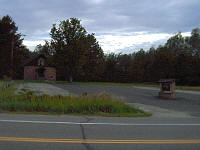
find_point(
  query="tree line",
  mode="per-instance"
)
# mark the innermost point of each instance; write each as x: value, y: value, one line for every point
x: 178, y: 58
x: 77, y: 56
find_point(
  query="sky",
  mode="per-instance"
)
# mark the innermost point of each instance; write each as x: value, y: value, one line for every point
x: 119, y: 25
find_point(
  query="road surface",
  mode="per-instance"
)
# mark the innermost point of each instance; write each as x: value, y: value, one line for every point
x: 96, y: 133
x: 187, y: 101
x: 175, y: 125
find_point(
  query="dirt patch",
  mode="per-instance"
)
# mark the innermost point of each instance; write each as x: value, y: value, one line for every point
x: 41, y: 88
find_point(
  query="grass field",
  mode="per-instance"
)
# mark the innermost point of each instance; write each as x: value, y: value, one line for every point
x: 103, y: 104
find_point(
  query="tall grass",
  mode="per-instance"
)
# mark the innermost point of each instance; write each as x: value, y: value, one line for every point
x: 66, y: 105
x: 102, y: 104
x: 1, y: 85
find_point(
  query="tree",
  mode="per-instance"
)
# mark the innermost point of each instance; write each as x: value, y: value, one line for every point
x: 76, y: 53
x: 110, y: 67
x: 68, y: 42
x: 138, y: 66
x: 93, y: 68
x: 178, y: 43
x: 123, y: 68
x: 164, y: 63
x: 195, y: 41
x: 12, y: 51
x: 48, y: 51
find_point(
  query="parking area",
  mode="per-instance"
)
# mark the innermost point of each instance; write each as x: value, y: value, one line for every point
x: 187, y: 101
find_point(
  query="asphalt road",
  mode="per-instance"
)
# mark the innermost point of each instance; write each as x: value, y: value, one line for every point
x: 30, y: 132
x: 187, y: 101
x: 174, y: 126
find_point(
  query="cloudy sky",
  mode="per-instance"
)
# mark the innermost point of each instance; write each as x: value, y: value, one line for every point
x: 119, y: 25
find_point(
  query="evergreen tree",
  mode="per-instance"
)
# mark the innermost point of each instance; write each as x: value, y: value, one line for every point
x: 12, y: 51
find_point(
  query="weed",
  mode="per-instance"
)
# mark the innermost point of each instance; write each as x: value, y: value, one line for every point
x: 101, y: 104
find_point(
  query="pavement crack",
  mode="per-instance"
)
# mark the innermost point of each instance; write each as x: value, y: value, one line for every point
x: 86, y: 145
x: 87, y: 119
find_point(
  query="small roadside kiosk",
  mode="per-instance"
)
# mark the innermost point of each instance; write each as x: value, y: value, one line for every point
x: 167, y: 88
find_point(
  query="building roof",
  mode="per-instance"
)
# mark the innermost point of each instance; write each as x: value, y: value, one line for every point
x: 31, y: 59
x: 166, y: 80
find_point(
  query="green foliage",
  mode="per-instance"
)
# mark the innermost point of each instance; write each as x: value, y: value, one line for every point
x: 110, y: 67
x: 5, y: 77
x: 195, y: 41
x: 102, y: 104
x: 1, y: 84
x: 76, y: 53
x: 11, y: 41
x: 179, y: 58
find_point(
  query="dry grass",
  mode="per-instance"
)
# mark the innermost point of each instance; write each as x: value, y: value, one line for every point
x: 102, y: 104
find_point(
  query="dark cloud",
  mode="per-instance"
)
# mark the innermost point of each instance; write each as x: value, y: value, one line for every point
x: 115, y: 17
x: 150, y: 15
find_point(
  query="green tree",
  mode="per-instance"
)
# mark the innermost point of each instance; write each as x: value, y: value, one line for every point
x: 138, y: 66
x: 164, y: 63
x: 93, y: 68
x: 178, y: 43
x: 68, y: 43
x: 48, y: 51
x: 195, y: 41
x: 110, y: 67
x: 76, y: 54
x: 123, y: 67
x: 12, y: 51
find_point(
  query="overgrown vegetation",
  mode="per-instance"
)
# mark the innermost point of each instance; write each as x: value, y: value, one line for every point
x: 1, y: 84
x: 102, y: 104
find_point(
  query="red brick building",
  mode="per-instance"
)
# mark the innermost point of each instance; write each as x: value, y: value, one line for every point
x: 35, y: 69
